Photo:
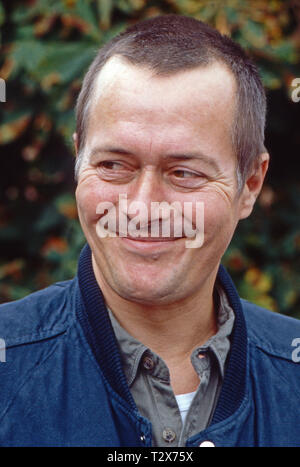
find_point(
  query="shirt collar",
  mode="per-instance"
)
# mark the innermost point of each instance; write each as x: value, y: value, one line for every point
x: 132, y: 351
x: 94, y: 320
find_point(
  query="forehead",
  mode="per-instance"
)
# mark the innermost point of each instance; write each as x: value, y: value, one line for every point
x: 126, y: 96
x: 210, y: 83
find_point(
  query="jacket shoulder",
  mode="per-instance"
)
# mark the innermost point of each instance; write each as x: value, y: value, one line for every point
x: 39, y: 315
x: 273, y: 332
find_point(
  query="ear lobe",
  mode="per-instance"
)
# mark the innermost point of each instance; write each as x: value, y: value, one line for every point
x: 75, y: 142
x: 253, y: 186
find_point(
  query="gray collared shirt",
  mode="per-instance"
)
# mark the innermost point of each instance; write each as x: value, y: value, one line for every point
x: 149, y: 380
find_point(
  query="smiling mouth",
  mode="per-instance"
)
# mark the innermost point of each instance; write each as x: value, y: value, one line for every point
x: 153, y: 239
x: 149, y: 245
x: 148, y: 238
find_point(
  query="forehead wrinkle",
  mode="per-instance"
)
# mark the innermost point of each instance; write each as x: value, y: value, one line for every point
x: 114, y: 75
x: 109, y: 149
x: 119, y: 75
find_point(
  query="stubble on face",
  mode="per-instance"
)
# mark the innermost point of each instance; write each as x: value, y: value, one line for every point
x: 150, y: 117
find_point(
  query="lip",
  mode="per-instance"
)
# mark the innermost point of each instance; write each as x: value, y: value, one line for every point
x: 152, y: 239
x: 148, y: 243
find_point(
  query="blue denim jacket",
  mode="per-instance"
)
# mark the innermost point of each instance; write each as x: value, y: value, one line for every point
x: 62, y: 383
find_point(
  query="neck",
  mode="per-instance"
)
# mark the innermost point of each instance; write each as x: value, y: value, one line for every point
x: 170, y: 330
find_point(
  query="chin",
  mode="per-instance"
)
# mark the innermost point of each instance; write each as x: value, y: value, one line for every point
x: 149, y: 292
x: 148, y: 298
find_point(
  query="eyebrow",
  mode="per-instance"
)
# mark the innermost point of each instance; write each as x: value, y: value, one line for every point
x: 199, y: 155
x: 111, y: 150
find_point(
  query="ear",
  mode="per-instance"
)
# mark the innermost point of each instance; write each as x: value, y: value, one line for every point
x: 253, y: 186
x: 75, y: 141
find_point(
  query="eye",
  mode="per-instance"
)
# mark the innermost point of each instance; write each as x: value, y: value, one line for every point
x: 110, y: 165
x: 184, y: 174
x: 115, y: 171
x: 189, y: 179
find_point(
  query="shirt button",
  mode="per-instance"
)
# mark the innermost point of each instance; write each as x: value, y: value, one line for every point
x: 169, y: 435
x: 207, y: 444
x: 201, y: 355
x: 148, y: 363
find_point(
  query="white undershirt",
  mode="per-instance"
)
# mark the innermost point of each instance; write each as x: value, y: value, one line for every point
x: 184, y: 402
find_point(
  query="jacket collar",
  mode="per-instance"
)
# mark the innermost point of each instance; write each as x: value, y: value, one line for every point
x: 94, y: 319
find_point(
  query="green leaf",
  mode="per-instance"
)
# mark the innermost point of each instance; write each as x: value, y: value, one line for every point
x: 284, y: 51
x: 254, y: 34
x: 105, y: 8
x: 84, y: 10
x: 49, y: 218
x: 271, y: 77
x: 67, y: 60
x: 28, y: 54
x: 23, y: 14
x: 14, y: 124
x: 231, y: 14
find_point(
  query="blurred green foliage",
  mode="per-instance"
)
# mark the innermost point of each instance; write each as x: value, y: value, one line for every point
x: 47, y: 46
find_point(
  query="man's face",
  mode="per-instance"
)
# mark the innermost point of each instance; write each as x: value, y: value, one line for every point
x: 158, y: 139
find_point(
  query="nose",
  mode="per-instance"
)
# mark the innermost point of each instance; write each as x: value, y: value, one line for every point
x: 147, y: 188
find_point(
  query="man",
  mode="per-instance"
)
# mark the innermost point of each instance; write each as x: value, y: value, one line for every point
x: 150, y: 344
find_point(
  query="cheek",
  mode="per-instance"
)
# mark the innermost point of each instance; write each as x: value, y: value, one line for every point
x: 216, y: 223
x: 89, y: 194
x: 86, y: 204
x: 219, y: 219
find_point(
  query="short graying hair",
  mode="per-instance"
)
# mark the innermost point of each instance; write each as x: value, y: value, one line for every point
x: 172, y: 43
